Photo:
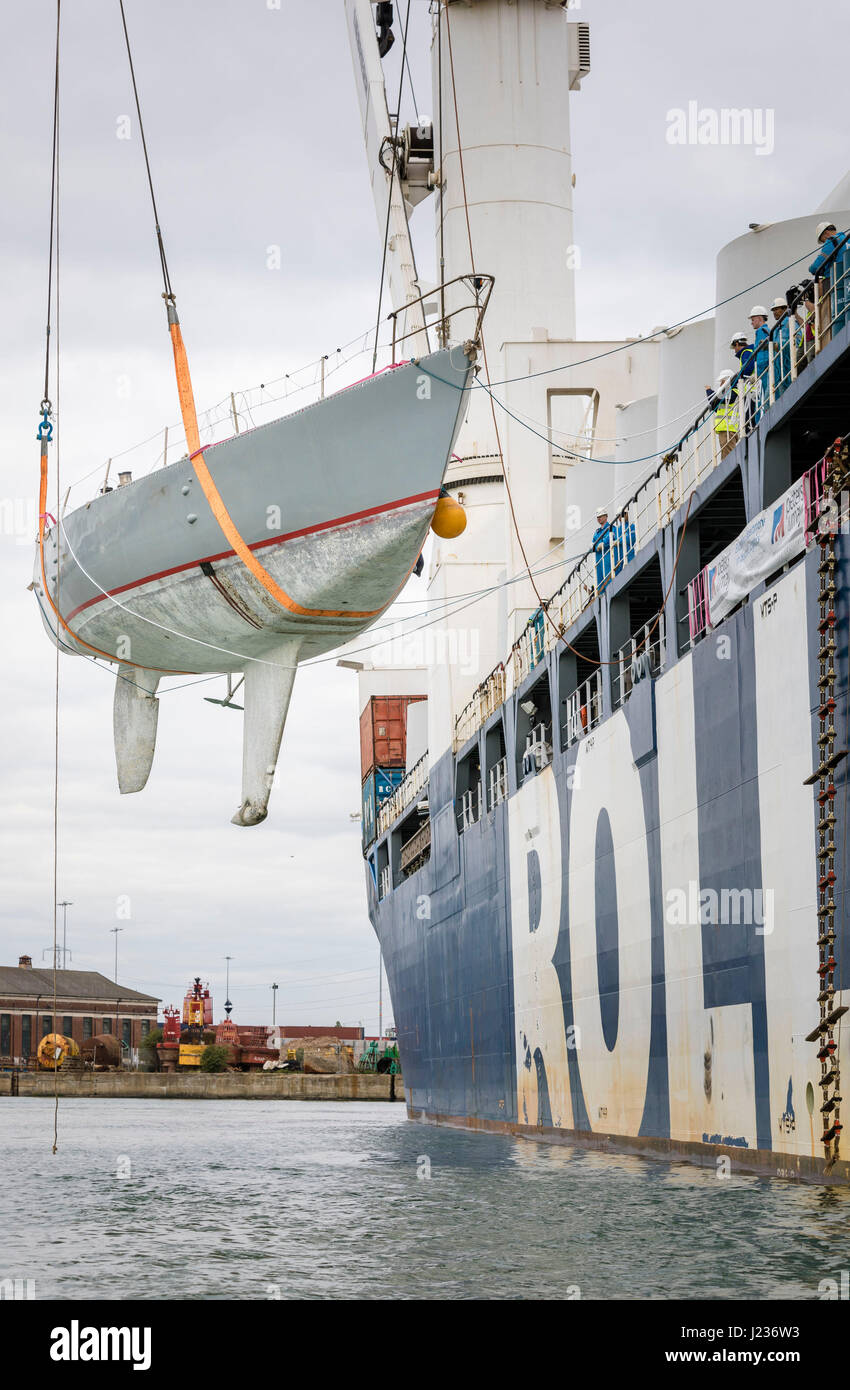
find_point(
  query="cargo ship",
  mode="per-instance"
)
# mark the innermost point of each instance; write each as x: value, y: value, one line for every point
x: 607, y: 871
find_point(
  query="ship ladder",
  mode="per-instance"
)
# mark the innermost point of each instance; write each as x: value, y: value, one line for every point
x: 837, y: 473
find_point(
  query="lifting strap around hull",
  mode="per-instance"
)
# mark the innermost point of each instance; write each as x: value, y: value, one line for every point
x: 225, y: 521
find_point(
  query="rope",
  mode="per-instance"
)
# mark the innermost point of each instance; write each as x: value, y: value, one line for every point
x: 52, y: 206
x: 166, y: 279
x: 44, y: 435
x: 390, y: 189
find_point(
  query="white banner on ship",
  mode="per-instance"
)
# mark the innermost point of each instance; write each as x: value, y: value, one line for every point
x: 771, y: 538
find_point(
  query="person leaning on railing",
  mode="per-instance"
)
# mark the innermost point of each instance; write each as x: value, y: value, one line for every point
x: 761, y: 348
x: 746, y: 356
x: 781, y: 338
x: 803, y: 307
x: 832, y: 265
x: 602, y: 548
x: 723, y: 400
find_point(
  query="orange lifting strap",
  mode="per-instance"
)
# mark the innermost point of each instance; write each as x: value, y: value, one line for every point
x: 228, y: 526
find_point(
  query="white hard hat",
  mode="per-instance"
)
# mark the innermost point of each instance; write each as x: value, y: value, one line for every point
x: 738, y: 338
x: 758, y: 309
x: 600, y: 512
x: 725, y: 375
x: 779, y: 304
x: 824, y: 227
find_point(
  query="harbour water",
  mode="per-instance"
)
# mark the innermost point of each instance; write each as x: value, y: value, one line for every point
x: 254, y: 1200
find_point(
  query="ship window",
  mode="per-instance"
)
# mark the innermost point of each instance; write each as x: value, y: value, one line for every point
x: 636, y: 627
x: 717, y: 524
x: 468, y: 790
x: 572, y: 421
x: 534, y: 729
x: 495, y: 752
x: 413, y: 839
x: 722, y: 519
x: 385, y: 876
x: 580, y: 686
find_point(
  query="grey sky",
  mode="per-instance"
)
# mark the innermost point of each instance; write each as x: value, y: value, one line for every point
x: 252, y: 125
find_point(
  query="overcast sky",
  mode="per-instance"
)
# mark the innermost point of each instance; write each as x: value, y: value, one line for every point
x: 252, y: 124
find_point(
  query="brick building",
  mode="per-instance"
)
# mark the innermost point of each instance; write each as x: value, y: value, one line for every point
x: 86, y: 1004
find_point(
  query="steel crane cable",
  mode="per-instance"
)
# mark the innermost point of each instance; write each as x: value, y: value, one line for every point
x: 45, y: 434
x: 166, y: 278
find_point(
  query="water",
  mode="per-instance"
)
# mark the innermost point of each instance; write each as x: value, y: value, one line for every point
x: 294, y: 1199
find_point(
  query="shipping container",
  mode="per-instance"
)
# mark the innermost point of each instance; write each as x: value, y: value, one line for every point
x: 380, y: 783
x: 383, y: 735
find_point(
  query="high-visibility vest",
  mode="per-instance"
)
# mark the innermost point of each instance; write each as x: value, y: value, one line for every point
x: 726, y: 417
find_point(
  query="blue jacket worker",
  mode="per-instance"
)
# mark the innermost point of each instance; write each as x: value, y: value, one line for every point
x: 745, y: 354
x: 781, y: 345
x: 832, y: 263
x: 602, y: 547
x: 761, y: 341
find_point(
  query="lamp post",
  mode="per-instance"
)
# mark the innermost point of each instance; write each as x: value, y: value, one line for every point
x: 380, y: 997
x: 64, y: 906
x: 115, y: 931
x: 227, y: 1004
x: 274, y: 1003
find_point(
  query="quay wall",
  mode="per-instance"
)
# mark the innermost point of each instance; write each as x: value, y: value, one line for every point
x: 207, y: 1085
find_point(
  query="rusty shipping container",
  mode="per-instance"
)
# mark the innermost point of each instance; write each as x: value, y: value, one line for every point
x: 383, y: 731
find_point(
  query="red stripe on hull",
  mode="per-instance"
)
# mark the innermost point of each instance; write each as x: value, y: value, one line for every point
x: 259, y: 545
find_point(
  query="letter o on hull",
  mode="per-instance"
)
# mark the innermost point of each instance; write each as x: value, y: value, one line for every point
x: 613, y: 1081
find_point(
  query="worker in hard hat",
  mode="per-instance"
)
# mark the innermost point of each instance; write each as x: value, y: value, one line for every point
x: 744, y: 352
x: 805, y: 308
x: 831, y: 267
x: 761, y: 348
x: 746, y: 383
x: 723, y: 400
x: 781, y: 339
x: 602, y: 546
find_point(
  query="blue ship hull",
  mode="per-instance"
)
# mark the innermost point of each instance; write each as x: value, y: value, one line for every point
x: 625, y: 949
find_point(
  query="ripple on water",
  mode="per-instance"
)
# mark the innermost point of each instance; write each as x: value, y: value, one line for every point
x: 315, y: 1200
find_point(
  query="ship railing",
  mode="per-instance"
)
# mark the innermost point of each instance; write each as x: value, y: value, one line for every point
x: 416, y: 850
x: 696, y: 456
x: 385, y: 882
x: 497, y: 790
x: 583, y: 709
x: 405, y: 792
x: 529, y: 648
x: 472, y: 311
x: 815, y: 497
x: 486, y: 699
x: 245, y: 408
x: 816, y: 500
x: 698, y: 606
x: 575, y: 594
x: 537, y: 753
x: 644, y: 654
x: 470, y: 808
